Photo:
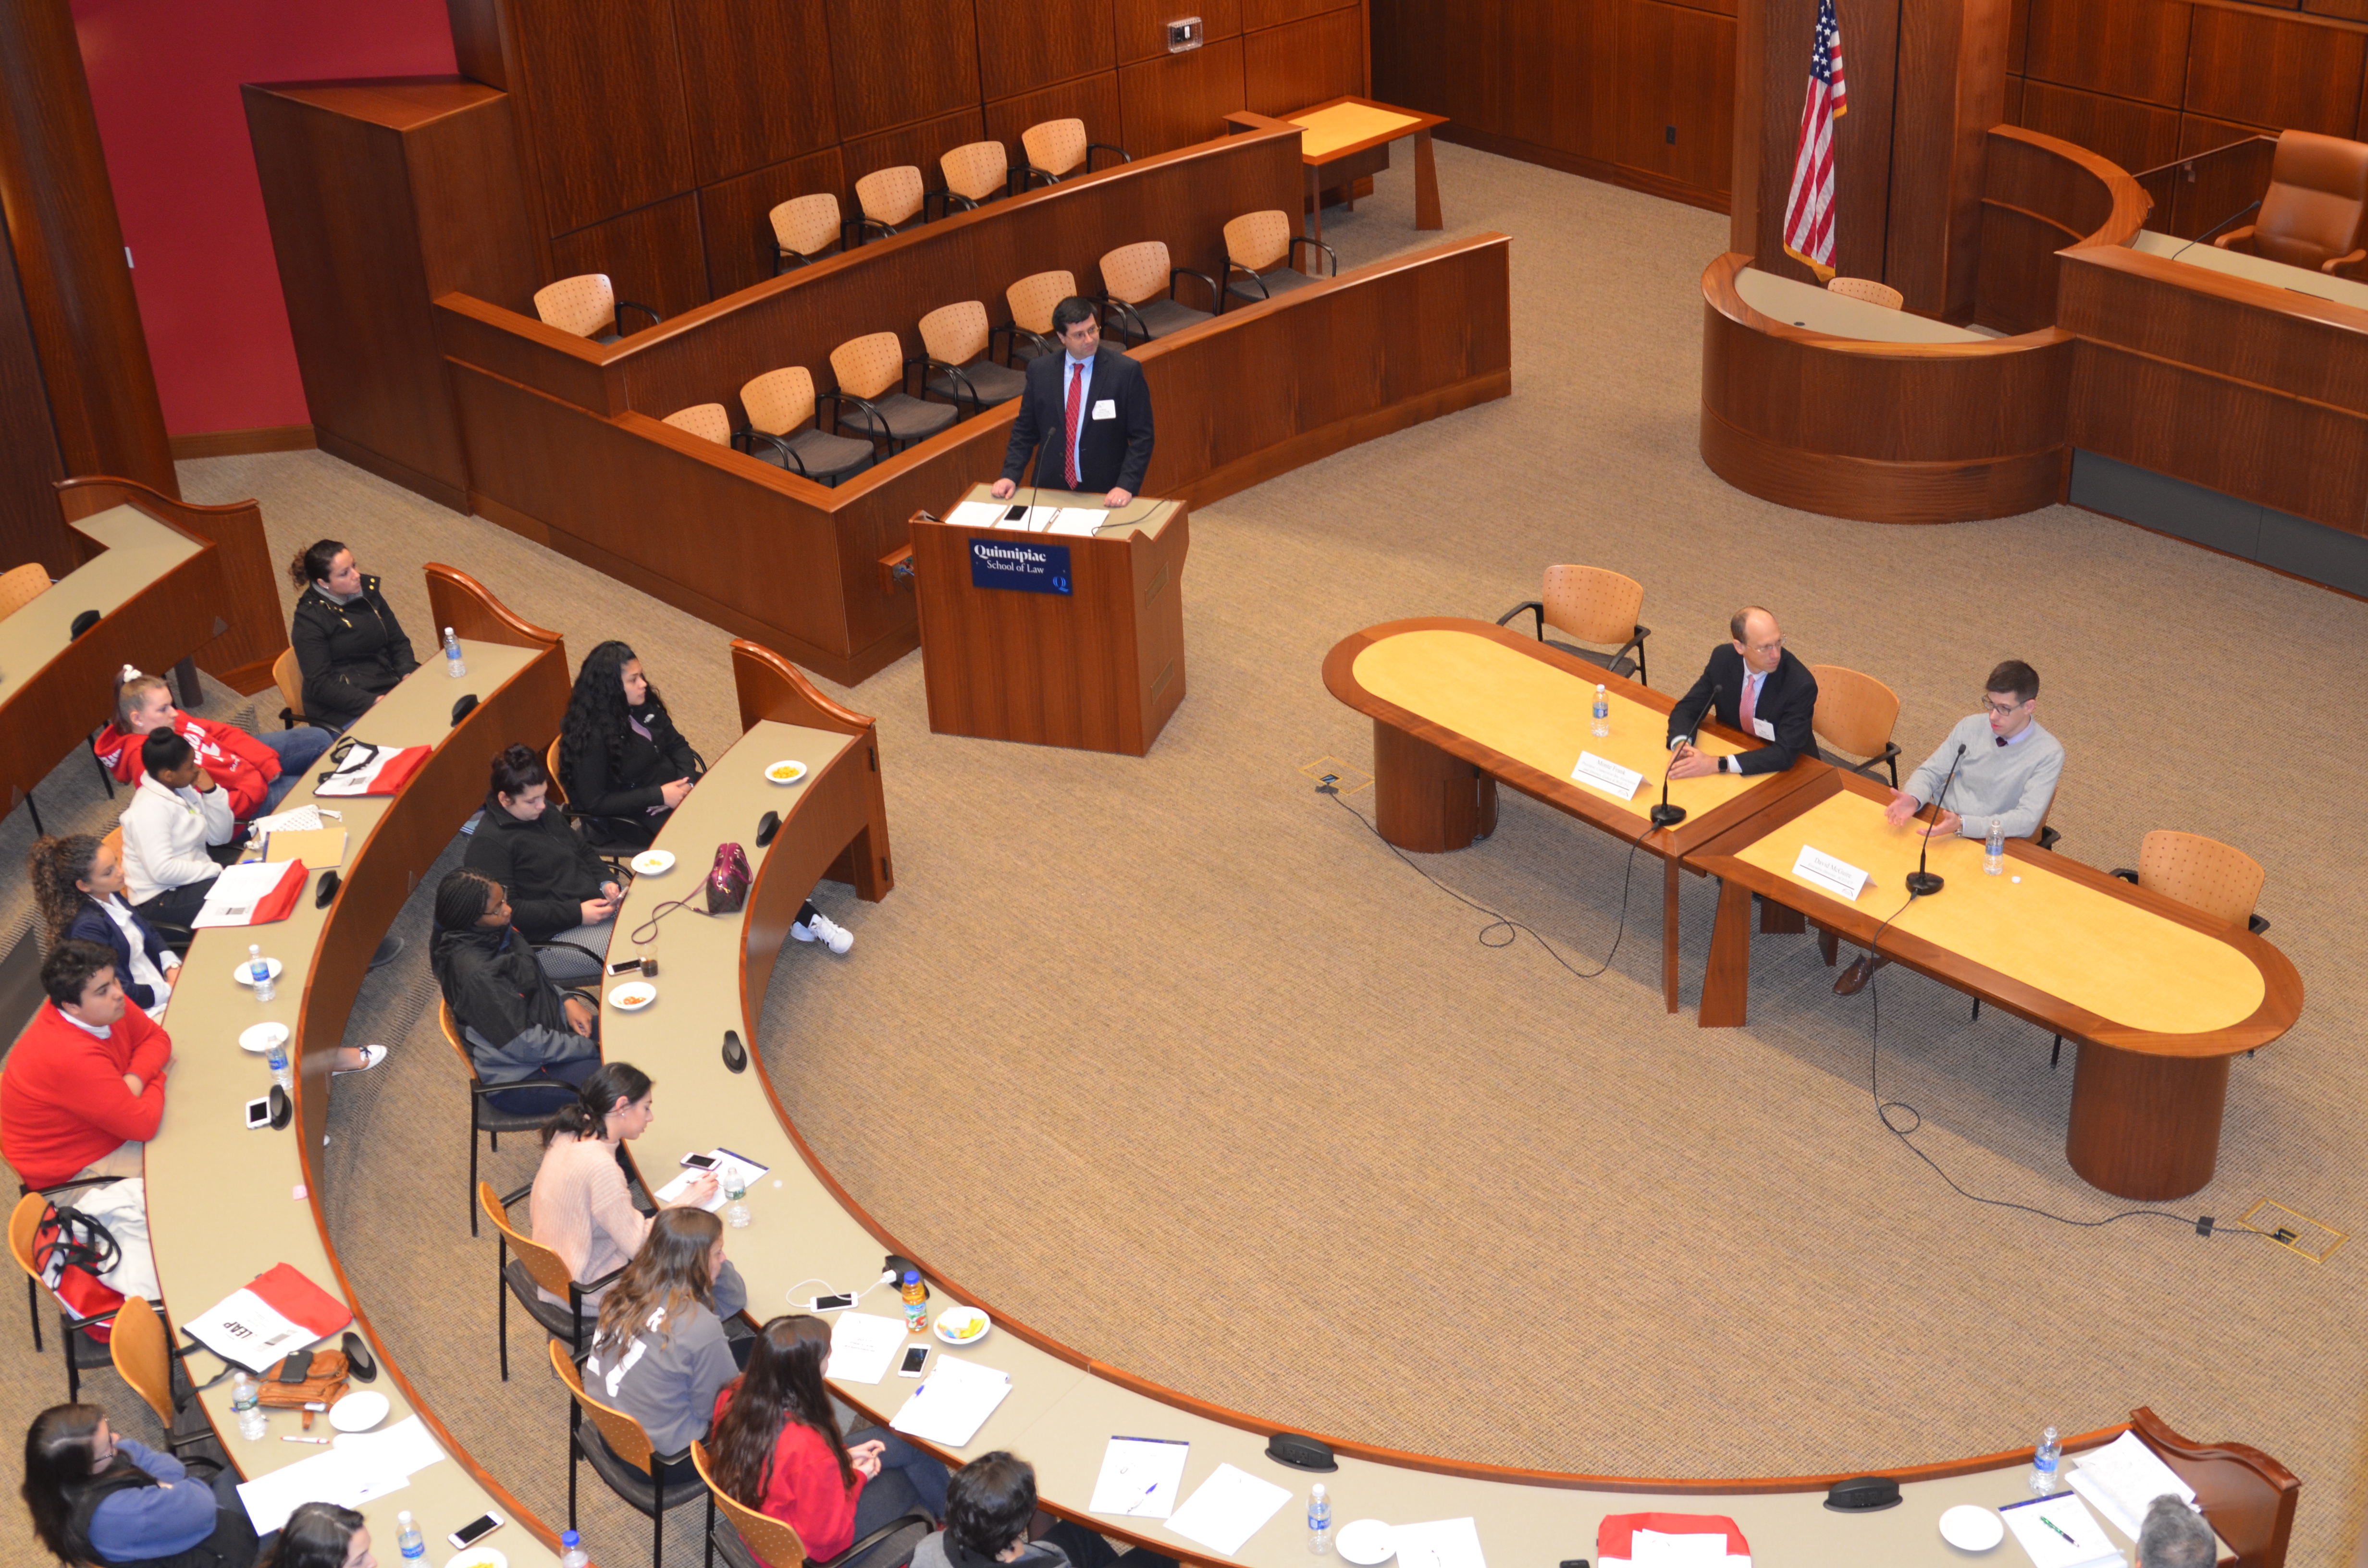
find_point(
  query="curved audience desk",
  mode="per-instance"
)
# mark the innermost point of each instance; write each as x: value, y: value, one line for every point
x: 225, y: 1203
x: 1909, y: 432
x: 1063, y: 1406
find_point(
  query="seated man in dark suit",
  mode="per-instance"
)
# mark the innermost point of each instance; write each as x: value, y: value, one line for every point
x: 1763, y: 691
x: 1089, y: 410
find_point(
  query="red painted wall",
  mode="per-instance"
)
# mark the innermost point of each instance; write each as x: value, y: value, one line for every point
x: 164, y: 76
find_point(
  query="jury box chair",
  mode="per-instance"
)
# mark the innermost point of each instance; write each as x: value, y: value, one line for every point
x: 891, y: 200
x: 957, y: 365
x: 20, y: 586
x: 1139, y: 292
x: 1057, y: 149
x: 1260, y: 253
x: 976, y: 173
x: 587, y: 306
x: 871, y: 399
x: 784, y: 429
x: 1856, y: 714
x: 623, y: 1455
x: 1867, y: 289
x: 524, y: 1268
x: 805, y: 227
x: 1032, y: 300
x: 1594, y: 605
x: 2311, y: 215
x: 708, y: 421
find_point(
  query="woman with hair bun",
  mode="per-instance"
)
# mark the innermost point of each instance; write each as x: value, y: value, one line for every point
x: 350, y: 647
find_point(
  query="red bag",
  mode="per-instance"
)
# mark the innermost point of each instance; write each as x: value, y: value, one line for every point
x: 728, y: 879
x: 72, y: 1250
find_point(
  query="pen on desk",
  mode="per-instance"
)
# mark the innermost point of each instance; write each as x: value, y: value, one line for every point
x: 2059, y: 1529
x: 323, y: 1441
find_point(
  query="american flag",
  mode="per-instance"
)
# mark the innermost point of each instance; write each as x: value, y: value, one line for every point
x: 1809, y: 213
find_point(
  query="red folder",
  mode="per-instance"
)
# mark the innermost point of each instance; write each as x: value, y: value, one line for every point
x: 300, y: 1302
x: 1614, y: 1538
x: 396, y: 771
x: 280, y: 902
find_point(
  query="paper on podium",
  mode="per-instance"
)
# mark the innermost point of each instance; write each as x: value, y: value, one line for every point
x: 1140, y: 1477
x: 861, y: 1346
x: 1229, y: 1508
x: 1079, y: 522
x: 978, y: 515
x: 952, y: 1403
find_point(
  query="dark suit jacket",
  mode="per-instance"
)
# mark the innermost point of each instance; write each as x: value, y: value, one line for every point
x: 1788, y: 699
x: 1111, y: 453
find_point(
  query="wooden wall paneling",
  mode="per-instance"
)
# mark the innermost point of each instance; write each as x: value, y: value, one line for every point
x: 2135, y: 135
x: 2243, y: 65
x: 1027, y: 44
x: 467, y: 194
x: 756, y: 83
x: 652, y: 258
x: 603, y: 88
x: 2348, y: 10
x: 2014, y: 101
x: 920, y: 144
x: 31, y: 529
x: 1142, y: 24
x: 2016, y: 285
x: 1950, y: 90
x: 477, y: 40
x: 1177, y: 99
x: 2220, y: 186
x: 2132, y: 49
x: 1562, y: 79
x: 734, y: 228
x: 1679, y: 68
x: 1303, y: 62
x: 2018, y: 35
x: 519, y: 348
x: 895, y: 61
x: 1260, y: 14
x: 1093, y: 99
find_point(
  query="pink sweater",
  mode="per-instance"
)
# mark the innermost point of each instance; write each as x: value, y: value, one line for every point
x: 582, y: 1209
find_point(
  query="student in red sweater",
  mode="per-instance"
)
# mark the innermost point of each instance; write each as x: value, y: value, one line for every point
x: 776, y: 1447
x: 257, y: 771
x: 85, y: 1086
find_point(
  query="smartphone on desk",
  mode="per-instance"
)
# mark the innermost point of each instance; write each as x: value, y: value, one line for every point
x: 476, y: 1529
x: 701, y: 1162
x: 258, y: 1112
x: 914, y: 1356
x: 829, y: 1303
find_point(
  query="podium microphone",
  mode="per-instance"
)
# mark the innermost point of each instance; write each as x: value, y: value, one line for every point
x: 1921, y: 882
x: 1665, y: 814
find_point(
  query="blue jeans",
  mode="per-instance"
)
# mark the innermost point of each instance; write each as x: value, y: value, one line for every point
x: 298, y: 749
x: 924, y: 1476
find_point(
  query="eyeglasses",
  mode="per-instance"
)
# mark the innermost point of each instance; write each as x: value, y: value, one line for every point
x: 2001, y: 710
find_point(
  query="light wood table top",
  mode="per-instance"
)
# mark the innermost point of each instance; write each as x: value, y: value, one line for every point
x: 1821, y: 309
x: 2258, y: 268
x: 140, y: 550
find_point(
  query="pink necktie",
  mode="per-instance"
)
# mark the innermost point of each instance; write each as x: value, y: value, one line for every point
x: 1069, y: 446
x: 1748, y: 691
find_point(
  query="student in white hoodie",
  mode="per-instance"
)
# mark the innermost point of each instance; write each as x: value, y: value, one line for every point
x: 176, y: 815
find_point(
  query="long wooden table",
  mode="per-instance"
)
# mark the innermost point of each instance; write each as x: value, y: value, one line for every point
x: 1063, y: 1406
x: 225, y: 1203
x: 1344, y: 142
x: 2158, y: 994
x: 1458, y: 706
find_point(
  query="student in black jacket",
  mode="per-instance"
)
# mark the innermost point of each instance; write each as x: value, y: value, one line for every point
x: 347, y: 642
x: 624, y: 764
x: 520, y: 1028
x: 560, y: 891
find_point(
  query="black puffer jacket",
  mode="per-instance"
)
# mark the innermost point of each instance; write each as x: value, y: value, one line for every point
x: 512, y: 1012
x: 351, y: 654
x: 547, y: 870
x: 617, y: 801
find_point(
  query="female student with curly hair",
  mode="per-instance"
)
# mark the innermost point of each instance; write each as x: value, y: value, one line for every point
x: 78, y: 885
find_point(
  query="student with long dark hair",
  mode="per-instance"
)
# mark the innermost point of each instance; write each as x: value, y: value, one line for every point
x: 95, y: 1498
x: 582, y: 1208
x: 78, y: 886
x: 521, y: 1030
x: 623, y: 763
x: 775, y: 1447
x: 350, y: 647
x: 660, y: 1353
x: 321, y: 1534
x: 560, y: 891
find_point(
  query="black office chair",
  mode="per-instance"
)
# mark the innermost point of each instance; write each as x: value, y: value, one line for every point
x: 623, y: 1455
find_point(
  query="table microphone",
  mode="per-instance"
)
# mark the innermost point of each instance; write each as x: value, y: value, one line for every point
x: 1665, y: 814
x: 1921, y: 882
x: 2213, y: 229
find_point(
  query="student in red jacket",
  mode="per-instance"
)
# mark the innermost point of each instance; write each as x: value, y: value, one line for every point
x: 84, y: 1086
x: 256, y: 771
x: 776, y: 1447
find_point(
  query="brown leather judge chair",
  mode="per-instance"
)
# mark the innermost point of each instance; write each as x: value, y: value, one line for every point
x: 2311, y: 216
x: 1594, y: 605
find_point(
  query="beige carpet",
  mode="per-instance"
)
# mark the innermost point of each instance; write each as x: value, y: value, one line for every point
x: 1242, y: 1103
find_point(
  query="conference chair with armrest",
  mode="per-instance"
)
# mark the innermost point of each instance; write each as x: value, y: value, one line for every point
x: 20, y: 586
x: 1856, y: 714
x: 976, y: 173
x: 619, y: 861
x: 536, y: 1266
x: 2218, y: 879
x: 34, y: 1289
x: 1867, y: 289
x: 746, y: 1539
x: 485, y: 1116
x: 142, y: 1347
x: 783, y: 410
x: 2312, y: 212
x: 1057, y: 149
x: 712, y: 421
x: 805, y: 227
x: 1133, y: 279
x: 1594, y: 605
x: 1032, y: 300
x: 623, y: 1455
x: 587, y: 306
x: 957, y: 364
x: 82, y: 1353
x: 870, y: 397
x: 289, y: 677
x: 1260, y: 247
x: 891, y: 201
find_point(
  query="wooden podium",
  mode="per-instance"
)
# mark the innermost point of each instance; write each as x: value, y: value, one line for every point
x: 1057, y: 640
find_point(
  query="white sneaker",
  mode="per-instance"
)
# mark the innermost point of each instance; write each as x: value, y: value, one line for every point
x: 823, y: 930
x: 371, y: 1056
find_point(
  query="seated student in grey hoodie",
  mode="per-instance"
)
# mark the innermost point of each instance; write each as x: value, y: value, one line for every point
x: 990, y: 1502
x: 520, y: 1026
x: 660, y: 1353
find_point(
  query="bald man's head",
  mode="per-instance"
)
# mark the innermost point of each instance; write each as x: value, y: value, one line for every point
x: 1757, y: 638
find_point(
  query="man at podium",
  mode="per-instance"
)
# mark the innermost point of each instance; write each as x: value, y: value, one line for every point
x: 1087, y: 414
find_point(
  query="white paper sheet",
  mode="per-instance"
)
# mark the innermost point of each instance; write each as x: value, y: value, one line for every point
x: 952, y: 1403
x: 1228, y: 1508
x: 405, y: 1449
x: 861, y: 1346
x: 1455, y: 1543
x: 339, y: 1476
x: 1080, y: 521
x: 726, y: 1161
x: 1837, y: 877
x: 1140, y: 1477
x: 2060, y: 1532
x: 244, y: 1330
x: 978, y: 514
x: 2131, y: 1476
x: 304, y: 818
x: 233, y: 899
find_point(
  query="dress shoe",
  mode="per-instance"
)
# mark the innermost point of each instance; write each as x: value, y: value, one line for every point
x: 1852, y: 981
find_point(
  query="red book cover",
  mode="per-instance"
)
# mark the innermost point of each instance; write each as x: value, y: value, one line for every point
x: 300, y: 1302
x: 396, y: 771
x: 280, y: 902
x: 1615, y: 1536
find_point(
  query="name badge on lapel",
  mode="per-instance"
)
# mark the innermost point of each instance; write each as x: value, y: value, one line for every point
x: 1106, y: 408
x: 1763, y: 729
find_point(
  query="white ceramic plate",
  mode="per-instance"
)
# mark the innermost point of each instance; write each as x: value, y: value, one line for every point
x: 785, y: 772
x: 357, y: 1412
x: 243, y: 978
x: 259, y: 1039
x: 1972, y: 1528
x: 1365, y: 1543
x: 955, y: 1326
x: 477, y: 1557
x: 632, y: 997
x: 653, y: 862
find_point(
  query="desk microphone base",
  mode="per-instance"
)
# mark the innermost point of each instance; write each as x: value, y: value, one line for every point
x: 1667, y: 816
x: 1924, y: 884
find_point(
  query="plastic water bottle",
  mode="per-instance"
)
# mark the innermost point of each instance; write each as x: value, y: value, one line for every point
x: 1319, y: 1521
x: 246, y: 1404
x: 408, y: 1538
x: 259, y: 970
x: 2044, y: 1463
x: 571, y: 1550
x: 452, y: 664
x: 735, y: 1191
x: 282, y: 1073
x: 1994, y: 849
x: 917, y: 1309
x: 1601, y: 720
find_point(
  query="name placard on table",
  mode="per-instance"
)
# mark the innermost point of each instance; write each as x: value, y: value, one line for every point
x: 1609, y: 777
x: 1837, y: 877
